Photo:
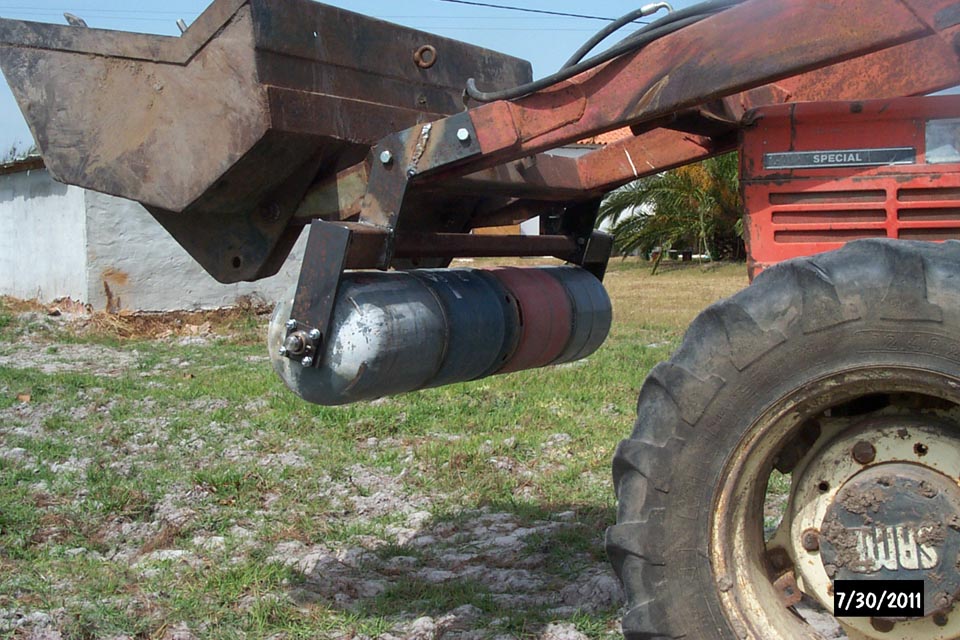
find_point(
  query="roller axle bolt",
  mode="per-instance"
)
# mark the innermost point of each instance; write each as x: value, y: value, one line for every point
x: 307, y: 362
x: 314, y: 334
x: 295, y: 344
x: 864, y: 452
x: 291, y: 324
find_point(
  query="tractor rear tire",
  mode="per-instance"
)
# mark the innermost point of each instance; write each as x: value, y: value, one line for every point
x: 876, y: 318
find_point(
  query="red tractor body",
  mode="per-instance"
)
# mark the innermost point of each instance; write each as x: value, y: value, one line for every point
x: 817, y: 175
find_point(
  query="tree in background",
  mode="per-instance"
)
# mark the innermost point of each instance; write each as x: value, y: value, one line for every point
x: 696, y: 207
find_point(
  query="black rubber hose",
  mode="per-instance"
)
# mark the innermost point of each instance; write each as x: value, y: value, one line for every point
x: 642, y: 37
x: 703, y: 10
x: 602, y: 35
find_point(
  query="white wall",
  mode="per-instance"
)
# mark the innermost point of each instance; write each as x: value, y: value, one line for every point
x: 146, y: 270
x: 58, y: 241
x: 42, y: 231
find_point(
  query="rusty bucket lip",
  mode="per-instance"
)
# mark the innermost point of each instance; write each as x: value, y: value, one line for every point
x: 130, y: 45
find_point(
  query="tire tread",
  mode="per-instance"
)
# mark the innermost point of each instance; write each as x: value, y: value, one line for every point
x: 799, y: 297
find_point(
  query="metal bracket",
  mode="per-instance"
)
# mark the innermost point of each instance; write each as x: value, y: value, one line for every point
x: 595, y: 247
x: 406, y: 156
x: 596, y: 254
x: 323, y: 263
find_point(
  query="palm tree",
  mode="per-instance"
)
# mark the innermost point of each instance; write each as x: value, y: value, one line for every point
x: 693, y: 207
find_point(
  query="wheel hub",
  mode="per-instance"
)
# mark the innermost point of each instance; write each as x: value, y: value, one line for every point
x: 879, y: 501
x: 892, y: 521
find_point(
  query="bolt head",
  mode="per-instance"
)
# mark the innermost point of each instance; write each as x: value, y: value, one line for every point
x: 307, y: 362
x: 882, y: 624
x: 810, y: 539
x: 463, y: 134
x: 314, y: 334
x: 386, y: 157
x: 291, y: 324
x: 282, y: 351
x: 864, y: 452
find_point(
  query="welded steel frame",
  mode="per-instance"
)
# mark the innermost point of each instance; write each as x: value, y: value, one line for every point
x: 685, y: 98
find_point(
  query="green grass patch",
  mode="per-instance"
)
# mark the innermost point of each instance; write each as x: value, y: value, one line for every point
x: 151, y: 491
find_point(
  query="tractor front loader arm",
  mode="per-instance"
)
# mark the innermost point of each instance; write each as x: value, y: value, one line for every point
x: 232, y: 133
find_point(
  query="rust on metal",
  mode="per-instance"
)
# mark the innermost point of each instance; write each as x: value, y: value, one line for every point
x: 546, y: 317
x: 864, y: 452
x: 425, y: 56
x: 324, y: 261
x: 411, y: 244
x: 250, y: 106
x: 787, y: 589
x: 702, y: 65
x: 810, y: 539
x: 263, y: 114
x: 887, y: 522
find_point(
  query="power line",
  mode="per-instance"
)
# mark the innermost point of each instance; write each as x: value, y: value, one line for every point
x: 524, y: 9
x: 87, y: 11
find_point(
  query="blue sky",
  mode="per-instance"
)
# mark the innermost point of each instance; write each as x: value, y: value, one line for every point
x: 546, y: 41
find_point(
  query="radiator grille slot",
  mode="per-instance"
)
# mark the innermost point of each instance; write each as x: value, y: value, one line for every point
x: 930, y: 234
x: 827, y: 217
x: 925, y: 195
x: 828, y: 197
x: 826, y: 235
x: 928, y: 215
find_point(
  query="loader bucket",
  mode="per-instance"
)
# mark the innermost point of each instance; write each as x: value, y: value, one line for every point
x: 220, y: 132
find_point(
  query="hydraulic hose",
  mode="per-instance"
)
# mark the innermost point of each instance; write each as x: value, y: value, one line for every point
x: 617, y: 24
x: 671, y: 23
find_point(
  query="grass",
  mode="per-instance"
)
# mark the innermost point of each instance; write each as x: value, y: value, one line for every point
x: 151, y: 483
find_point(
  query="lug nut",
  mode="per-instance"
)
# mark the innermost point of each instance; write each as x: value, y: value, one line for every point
x: 463, y: 134
x: 864, y: 452
x: 882, y: 624
x: 940, y: 619
x: 291, y: 324
x: 314, y: 334
x: 307, y: 362
x: 810, y: 539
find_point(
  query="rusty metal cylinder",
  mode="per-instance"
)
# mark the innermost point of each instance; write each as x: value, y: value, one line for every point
x: 400, y: 331
x: 546, y: 317
x: 480, y: 322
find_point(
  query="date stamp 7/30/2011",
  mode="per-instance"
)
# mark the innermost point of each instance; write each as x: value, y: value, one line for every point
x: 880, y: 598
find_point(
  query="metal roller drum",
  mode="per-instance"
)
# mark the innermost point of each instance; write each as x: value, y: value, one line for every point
x: 546, y: 317
x: 401, y: 331
x: 387, y: 336
x: 511, y: 314
x: 592, y: 312
x: 478, y: 321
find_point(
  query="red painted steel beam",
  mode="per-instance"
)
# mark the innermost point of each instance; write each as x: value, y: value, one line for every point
x: 913, y: 68
x: 775, y: 39
x: 651, y: 152
x: 780, y: 45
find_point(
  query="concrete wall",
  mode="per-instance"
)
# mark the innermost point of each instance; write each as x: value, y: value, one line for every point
x: 132, y: 263
x: 42, y: 231
x: 58, y: 241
